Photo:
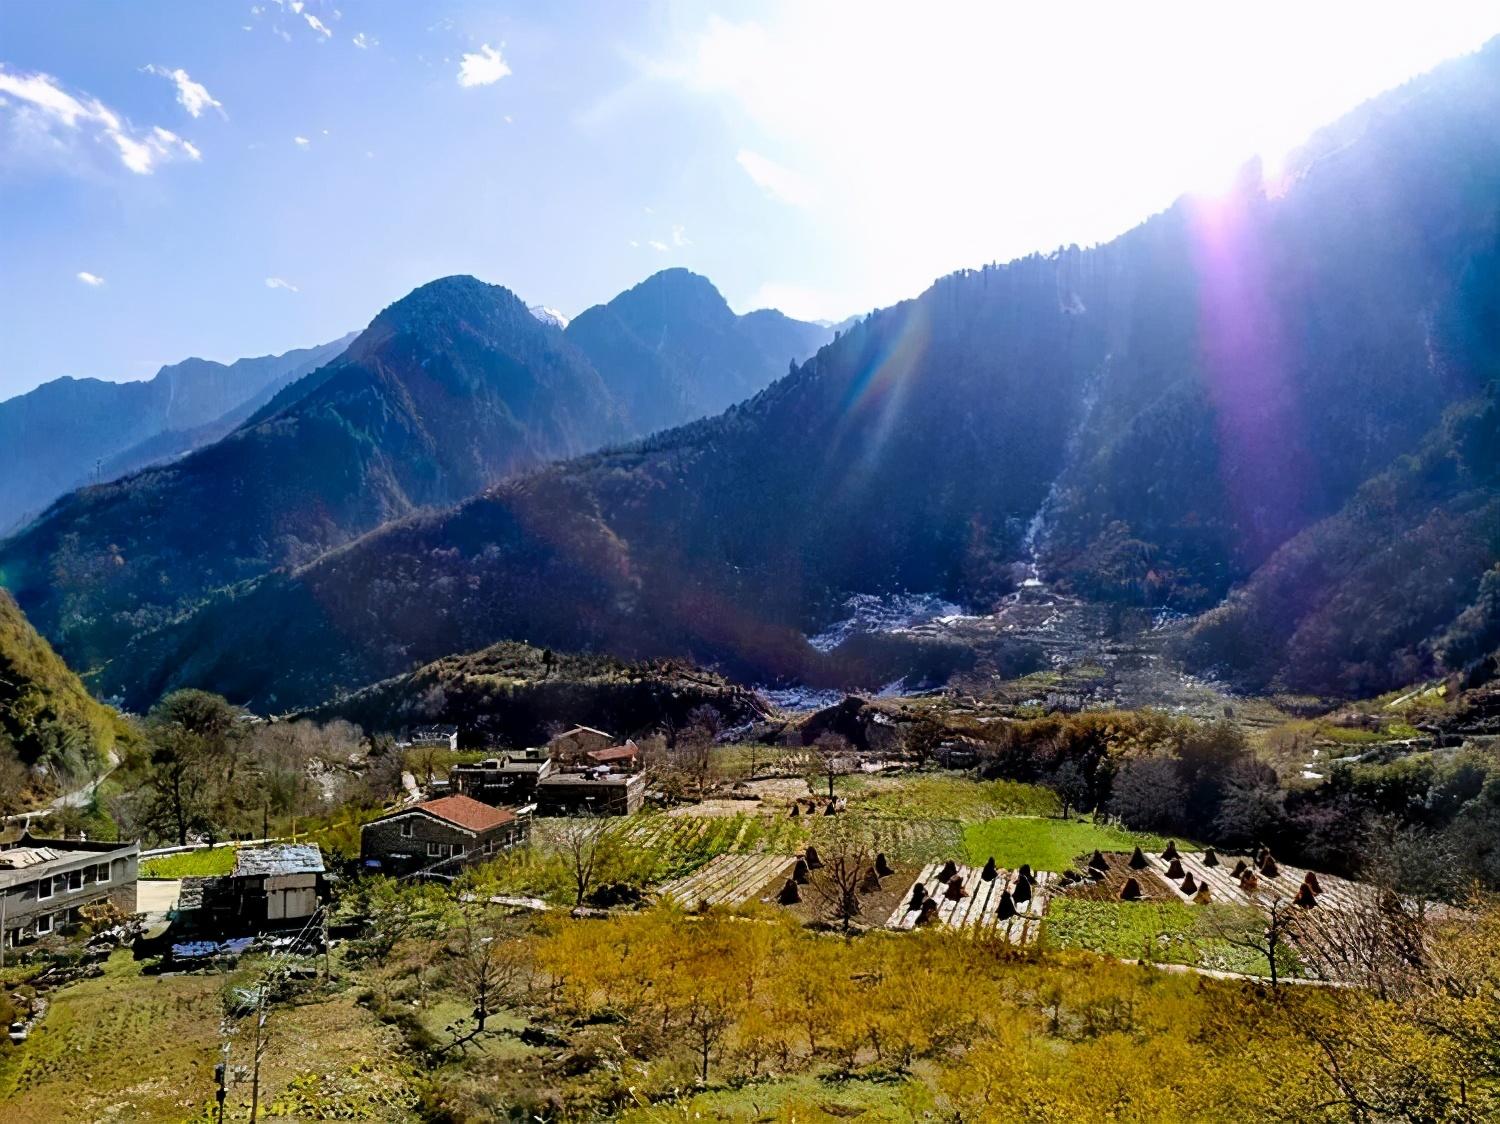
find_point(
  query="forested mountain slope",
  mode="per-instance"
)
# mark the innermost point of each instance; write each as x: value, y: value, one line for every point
x: 54, y: 438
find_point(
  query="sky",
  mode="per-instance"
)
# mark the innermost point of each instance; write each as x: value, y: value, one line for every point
x: 226, y: 178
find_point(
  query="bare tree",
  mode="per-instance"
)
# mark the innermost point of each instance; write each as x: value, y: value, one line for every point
x: 847, y: 856
x: 834, y: 757
x: 1266, y: 935
x: 693, y: 749
x: 585, y: 842
x: 487, y: 962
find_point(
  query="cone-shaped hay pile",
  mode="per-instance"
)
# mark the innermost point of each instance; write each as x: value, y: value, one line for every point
x: 950, y: 868
x: 1171, y: 852
x: 1131, y: 891
x: 1210, y: 858
x: 955, y: 891
x: 989, y: 871
x: 799, y: 872
x: 1310, y: 880
x: 1190, y: 884
x: 811, y: 855
x: 796, y: 811
x: 918, y: 896
x: 1022, y: 892
x: 1239, y: 869
x: 789, y: 895
x: 1203, y: 896
x: 1174, y: 868
x: 1269, y: 867
x: 1025, y: 872
x: 882, y: 867
x: 1248, y: 882
x: 1007, y: 906
x: 1097, y: 861
x: 1304, y: 897
x: 1137, y: 860
x: 870, y: 884
x: 929, y: 912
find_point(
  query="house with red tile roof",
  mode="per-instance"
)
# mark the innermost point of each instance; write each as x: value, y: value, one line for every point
x: 438, y: 837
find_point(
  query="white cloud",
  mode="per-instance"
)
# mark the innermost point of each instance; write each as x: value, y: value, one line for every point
x: 775, y: 180
x: 317, y: 25
x: 660, y: 247
x: 482, y: 68
x: 62, y: 118
x: 803, y: 302
x: 301, y: 142
x: 278, y: 283
x: 93, y: 280
x: 192, y: 96
x: 679, y: 236
x: 364, y: 42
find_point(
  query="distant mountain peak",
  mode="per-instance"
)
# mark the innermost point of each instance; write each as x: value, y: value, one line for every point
x: 549, y: 316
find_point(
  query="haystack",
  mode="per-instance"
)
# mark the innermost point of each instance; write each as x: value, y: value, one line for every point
x: 918, y: 896
x: 811, y: 855
x: 1097, y: 861
x: 1190, y: 884
x: 1022, y: 892
x: 1137, y: 860
x: 1304, y: 897
x: 1239, y: 869
x: 1210, y: 858
x: 1174, y: 868
x: 1131, y: 891
x: 796, y: 811
x: 882, y: 867
x: 789, y: 895
x: 955, y: 891
x: 1310, y: 880
x: 1007, y: 907
x: 832, y: 809
x: 1269, y: 867
x: 1248, y: 882
x: 1204, y: 895
x: 1171, y: 850
x: 870, y: 884
x: 929, y: 912
x: 950, y: 868
x: 799, y: 872
x: 1025, y: 872
x: 989, y: 871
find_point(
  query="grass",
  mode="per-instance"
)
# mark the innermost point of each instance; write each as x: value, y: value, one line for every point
x: 801, y: 1099
x: 141, y: 1048
x: 1163, y: 932
x: 203, y: 863
x: 953, y: 796
x: 1046, y: 843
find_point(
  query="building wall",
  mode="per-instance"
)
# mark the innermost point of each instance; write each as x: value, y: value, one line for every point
x: 429, y: 837
x: 23, y: 906
x: 561, y: 796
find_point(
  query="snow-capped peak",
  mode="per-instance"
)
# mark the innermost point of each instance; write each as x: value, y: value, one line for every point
x: 549, y: 316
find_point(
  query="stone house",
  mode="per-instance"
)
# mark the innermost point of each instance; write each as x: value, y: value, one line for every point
x: 45, y: 883
x: 573, y: 746
x: 510, y: 779
x: 596, y: 792
x: 445, y: 834
x: 279, y: 886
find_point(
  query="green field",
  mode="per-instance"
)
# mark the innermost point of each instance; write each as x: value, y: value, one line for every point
x: 802, y: 1099
x: 206, y: 863
x: 1165, y: 932
x: 1046, y: 843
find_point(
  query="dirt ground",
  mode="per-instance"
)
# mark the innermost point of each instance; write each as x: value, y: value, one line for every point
x: 1153, y: 888
x: 875, y: 909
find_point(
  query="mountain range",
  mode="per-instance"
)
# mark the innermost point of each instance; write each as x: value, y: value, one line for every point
x: 1269, y: 409
x: 70, y: 432
x: 449, y: 390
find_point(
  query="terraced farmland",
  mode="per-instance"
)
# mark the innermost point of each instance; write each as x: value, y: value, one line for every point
x: 979, y: 910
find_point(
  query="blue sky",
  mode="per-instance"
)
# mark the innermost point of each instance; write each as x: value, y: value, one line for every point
x: 216, y: 178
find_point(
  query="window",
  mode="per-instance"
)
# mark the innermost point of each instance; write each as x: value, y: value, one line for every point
x: 458, y: 848
x: 101, y: 874
x: 44, y: 924
x: 75, y: 879
x: 408, y: 829
x: 433, y: 851
x: 44, y: 889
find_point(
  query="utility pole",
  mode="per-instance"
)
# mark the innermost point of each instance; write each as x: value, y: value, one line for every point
x: 2, y: 928
x: 221, y: 1074
x: 261, y: 1041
